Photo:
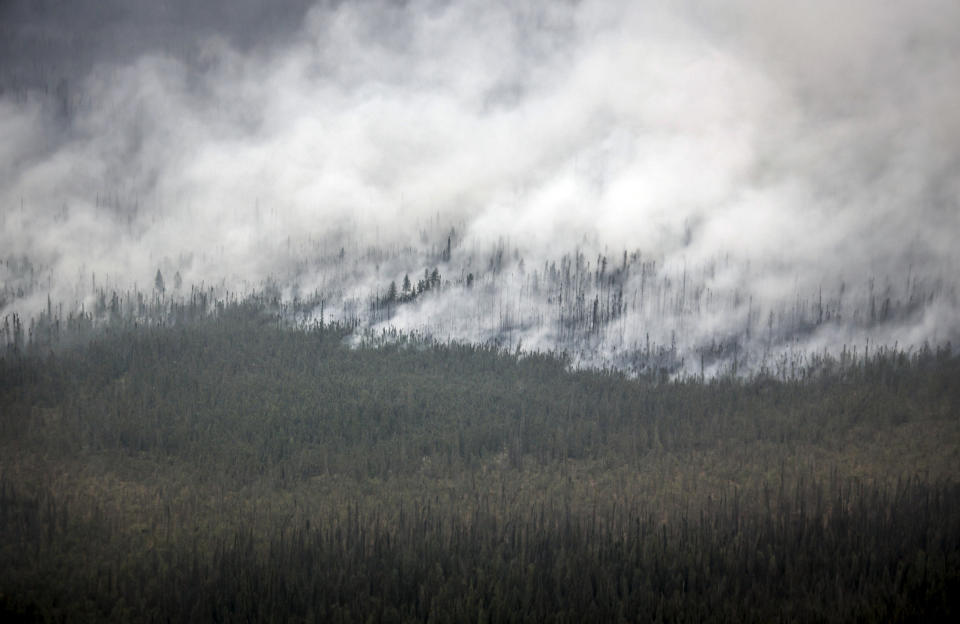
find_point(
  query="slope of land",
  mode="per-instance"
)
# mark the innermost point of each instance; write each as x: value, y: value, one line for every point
x: 227, y: 469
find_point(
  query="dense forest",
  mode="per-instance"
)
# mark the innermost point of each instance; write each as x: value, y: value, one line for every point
x: 466, y: 311
x: 231, y: 467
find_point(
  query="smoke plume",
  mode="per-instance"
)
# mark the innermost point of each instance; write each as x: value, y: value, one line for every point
x: 759, y: 175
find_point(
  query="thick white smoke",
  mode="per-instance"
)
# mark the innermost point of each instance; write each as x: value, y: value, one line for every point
x: 769, y: 153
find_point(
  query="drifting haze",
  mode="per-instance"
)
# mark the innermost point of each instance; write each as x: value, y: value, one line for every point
x: 772, y: 150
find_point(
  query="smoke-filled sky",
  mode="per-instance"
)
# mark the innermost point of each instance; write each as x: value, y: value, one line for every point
x: 813, y: 142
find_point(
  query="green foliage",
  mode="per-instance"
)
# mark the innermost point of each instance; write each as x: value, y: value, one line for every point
x: 226, y: 468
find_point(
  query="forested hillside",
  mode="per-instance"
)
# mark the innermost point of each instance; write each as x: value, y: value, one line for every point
x: 231, y: 468
x: 469, y: 311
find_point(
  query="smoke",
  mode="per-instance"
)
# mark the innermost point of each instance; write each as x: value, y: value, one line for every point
x: 767, y: 152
